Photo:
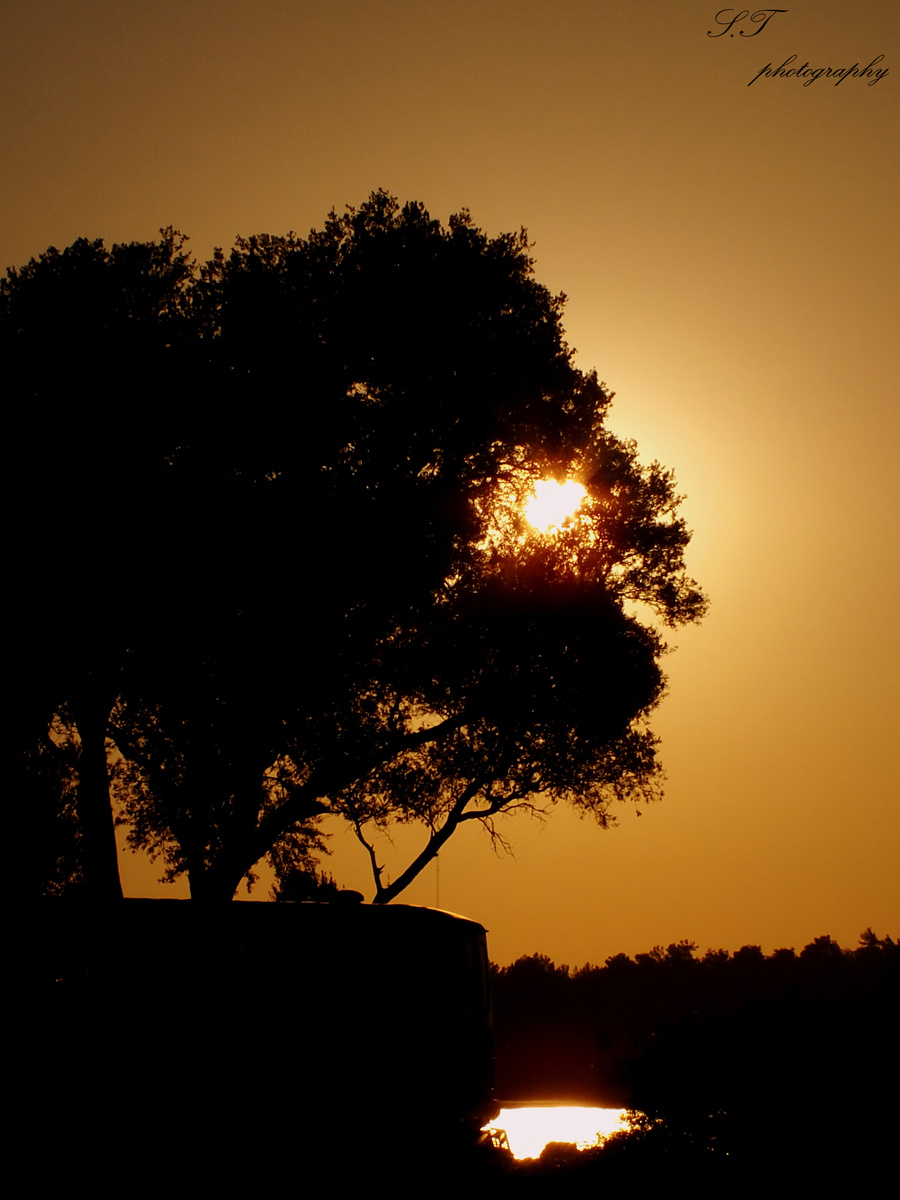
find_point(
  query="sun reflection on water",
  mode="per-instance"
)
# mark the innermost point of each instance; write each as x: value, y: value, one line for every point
x: 530, y: 1127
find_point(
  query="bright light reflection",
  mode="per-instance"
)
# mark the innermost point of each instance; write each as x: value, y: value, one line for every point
x: 529, y: 1129
x: 553, y: 503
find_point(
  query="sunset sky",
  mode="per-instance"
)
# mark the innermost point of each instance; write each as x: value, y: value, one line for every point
x: 729, y: 250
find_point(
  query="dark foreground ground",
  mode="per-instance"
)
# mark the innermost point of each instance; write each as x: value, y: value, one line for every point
x: 188, y: 1154
x: 651, y: 1163
x: 119, y: 1085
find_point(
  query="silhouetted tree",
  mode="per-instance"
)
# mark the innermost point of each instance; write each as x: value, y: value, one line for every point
x: 89, y: 340
x: 43, y: 777
x: 345, y: 611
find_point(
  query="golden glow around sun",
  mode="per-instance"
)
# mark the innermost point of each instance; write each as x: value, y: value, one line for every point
x: 552, y: 503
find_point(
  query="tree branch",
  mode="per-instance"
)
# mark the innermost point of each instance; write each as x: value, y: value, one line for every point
x: 370, y: 850
x: 306, y: 801
x: 435, y: 842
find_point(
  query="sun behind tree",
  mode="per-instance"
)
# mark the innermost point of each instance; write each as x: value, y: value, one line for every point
x: 409, y: 382
x: 553, y: 503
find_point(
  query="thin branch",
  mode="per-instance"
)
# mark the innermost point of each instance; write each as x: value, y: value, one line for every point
x: 435, y: 842
x: 370, y: 850
x: 497, y: 839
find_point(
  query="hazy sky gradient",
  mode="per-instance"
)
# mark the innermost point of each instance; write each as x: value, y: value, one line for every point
x: 730, y: 257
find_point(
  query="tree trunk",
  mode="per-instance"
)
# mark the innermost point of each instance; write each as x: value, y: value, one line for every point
x: 99, y: 854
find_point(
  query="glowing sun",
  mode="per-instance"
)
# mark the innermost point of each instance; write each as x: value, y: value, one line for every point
x: 553, y: 503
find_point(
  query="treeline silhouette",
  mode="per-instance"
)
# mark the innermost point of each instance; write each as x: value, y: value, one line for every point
x: 741, y: 1057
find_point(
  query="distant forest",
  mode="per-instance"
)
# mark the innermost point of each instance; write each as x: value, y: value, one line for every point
x: 709, y: 1046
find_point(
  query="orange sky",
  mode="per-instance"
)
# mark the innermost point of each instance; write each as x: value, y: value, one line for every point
x: 730, y: 256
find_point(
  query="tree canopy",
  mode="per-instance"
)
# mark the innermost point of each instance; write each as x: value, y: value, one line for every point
x: 275, y: 558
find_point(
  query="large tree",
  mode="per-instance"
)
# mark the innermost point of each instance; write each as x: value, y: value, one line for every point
x: 89, y: 340
x: 357, y: 619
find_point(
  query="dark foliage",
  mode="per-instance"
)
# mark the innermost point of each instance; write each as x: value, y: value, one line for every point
x: 272, y: 506
x: 90, y: 341
x: 743, y: 1058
